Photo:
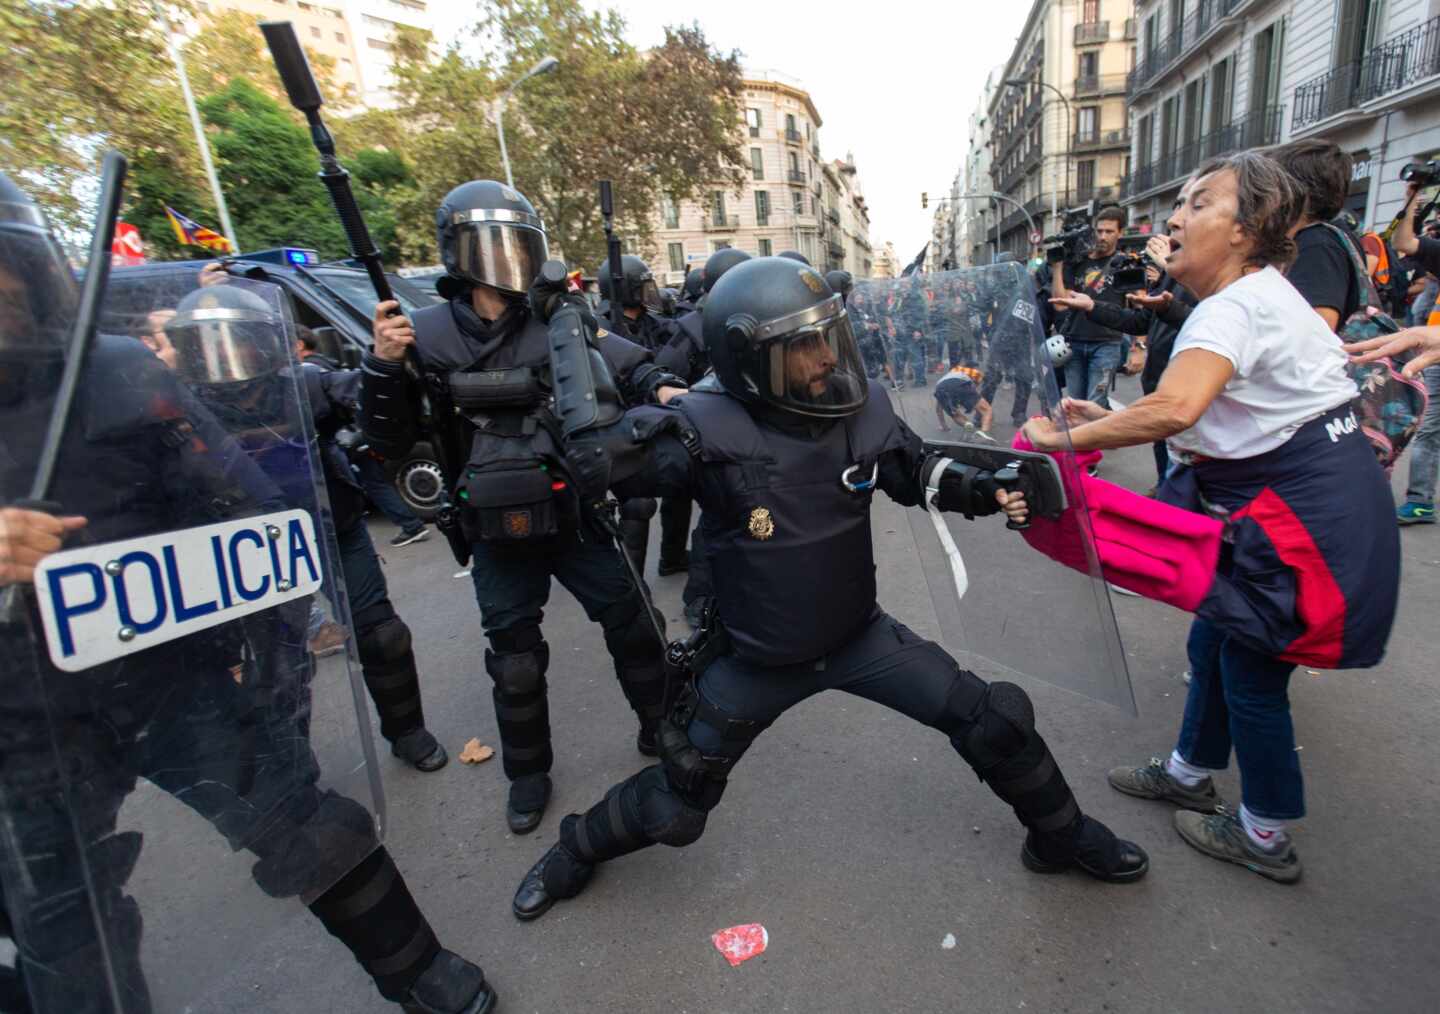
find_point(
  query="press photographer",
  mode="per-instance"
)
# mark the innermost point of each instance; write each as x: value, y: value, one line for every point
x: 1078, y: 267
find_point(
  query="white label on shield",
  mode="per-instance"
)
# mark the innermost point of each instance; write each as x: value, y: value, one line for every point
x: 1025, y: 311
x: 100, y: 603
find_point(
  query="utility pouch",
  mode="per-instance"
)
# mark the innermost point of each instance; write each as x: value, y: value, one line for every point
x: 480, y: 390
x: 508, y: 503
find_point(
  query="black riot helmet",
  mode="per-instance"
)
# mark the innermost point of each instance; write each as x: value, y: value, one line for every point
x: 38, y: 292
x: 224, y: 335
x: 794, y: 255
x: 720, y: 262
x: 841, y: 282
x: 637, y: 284
x: 694, y: 286
x: 779, y: 336
x: 489, y: 234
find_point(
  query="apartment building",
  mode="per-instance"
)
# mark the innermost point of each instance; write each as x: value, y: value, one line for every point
x: 792, y: 199
x: 1058, y: 119
x: 357, y: 34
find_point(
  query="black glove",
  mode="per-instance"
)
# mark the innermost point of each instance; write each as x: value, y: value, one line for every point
x: 589, y: 464
x: 963, y: 488
x: 550, y: 292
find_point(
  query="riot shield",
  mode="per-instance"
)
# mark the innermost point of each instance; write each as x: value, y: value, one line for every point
x: 962, y: 354
x: 175, y: 756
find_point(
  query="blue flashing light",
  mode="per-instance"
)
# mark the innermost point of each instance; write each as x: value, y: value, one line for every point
x: 301, y: 257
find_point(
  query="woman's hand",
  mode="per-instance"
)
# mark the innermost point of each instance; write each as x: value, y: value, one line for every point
x: 1158, y: 247
x: 1073, y: 301
x: 1043, y: 434
x: 1426, y: 339
x: 664, y: 394
x: 1078, y: 411
x: 393, y: 335
x: 1013, y: 504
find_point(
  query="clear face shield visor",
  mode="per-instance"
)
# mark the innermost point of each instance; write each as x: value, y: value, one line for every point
x: 814, y: 363
x: 503, y: 254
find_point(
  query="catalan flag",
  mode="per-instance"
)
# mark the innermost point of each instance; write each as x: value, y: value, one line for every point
x: 192, y: 233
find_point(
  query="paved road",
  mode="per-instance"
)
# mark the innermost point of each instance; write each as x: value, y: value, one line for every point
x: 864, y: 845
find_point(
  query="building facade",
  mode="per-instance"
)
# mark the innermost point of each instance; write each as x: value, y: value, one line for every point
x: 792, y: 199
x: 1057, y: 118
x: 357, y: 34
x: 976, y: 218
x: 887, y: 262
x: 1214, y: 76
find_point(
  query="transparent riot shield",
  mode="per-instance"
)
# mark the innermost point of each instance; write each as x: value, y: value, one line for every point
x: 174, y: 755
x: 962, y: 353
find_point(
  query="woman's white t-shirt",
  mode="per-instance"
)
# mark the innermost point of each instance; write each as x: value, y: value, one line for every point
x: 1289, y: 367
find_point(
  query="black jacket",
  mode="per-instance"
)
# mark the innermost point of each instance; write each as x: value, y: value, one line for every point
x: 1160, y: 330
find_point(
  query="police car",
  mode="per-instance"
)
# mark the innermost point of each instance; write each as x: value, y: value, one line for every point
x: 334, y: 299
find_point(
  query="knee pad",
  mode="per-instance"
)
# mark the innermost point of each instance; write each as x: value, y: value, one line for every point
x: 669, y: 817
x: 305, y: 857
x: 638, y: 509
x: 520, y: 673
x: 998, y: 728
x: 629, y: 635
x: 384, y: 644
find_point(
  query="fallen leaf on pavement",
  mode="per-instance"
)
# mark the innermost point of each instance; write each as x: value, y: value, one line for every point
x: 474, y: 753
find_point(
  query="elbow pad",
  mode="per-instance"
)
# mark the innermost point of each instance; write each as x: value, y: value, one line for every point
x: 963, y: 489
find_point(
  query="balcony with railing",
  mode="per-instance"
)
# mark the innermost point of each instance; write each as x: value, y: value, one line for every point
x: 1098, y: 84
x: 1207, y: 16
x: 1260, y: 128
x: 1132, y: 29
x: 1399, y: 62
x: 1092, y: 33
x: 1103, y: 195
x: 1094, y: 140
x: 795, y: 175
x: 833, y: 215
x: 721, y: 223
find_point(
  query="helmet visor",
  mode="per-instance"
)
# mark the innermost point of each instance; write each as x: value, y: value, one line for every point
x: 650, y: 296
x: 224, y: 351
x: 815, y: 369
x: 505, y: 256
x: 38, y: 293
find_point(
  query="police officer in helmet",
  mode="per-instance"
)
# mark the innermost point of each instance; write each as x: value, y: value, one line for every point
x: 218, y: 718
x: 690, y: 292
x: 486, y: 363
x: 784, y: 462
x: 639, y: 300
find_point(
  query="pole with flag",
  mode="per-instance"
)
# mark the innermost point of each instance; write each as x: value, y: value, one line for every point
x: 204, y: 145
x: 189, y: 232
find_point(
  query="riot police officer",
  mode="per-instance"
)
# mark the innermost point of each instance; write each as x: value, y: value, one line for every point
x: 690, y: 292
x: 639, y: 300
x: 486, y: 368
x: 841, y: 283
x: 219, y: 719
x: 218, y: 334
x: 784, y: 462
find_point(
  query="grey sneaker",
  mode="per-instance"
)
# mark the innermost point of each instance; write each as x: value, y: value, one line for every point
x: 1222, y: 836
x: 1154, y: 782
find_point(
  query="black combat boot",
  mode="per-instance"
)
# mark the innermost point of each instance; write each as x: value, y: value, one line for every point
x: 1088, y: 845
x: 451, y: 985
x: 558, y: 874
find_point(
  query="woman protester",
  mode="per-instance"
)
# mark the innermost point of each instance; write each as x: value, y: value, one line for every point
x: 1255, y: 405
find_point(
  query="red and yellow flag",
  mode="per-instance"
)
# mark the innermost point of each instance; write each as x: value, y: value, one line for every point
x: 191, y: 233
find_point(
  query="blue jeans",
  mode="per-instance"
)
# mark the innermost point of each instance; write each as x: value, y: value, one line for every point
x: 381, y: 492
x: 1423, y: 304
x: 1425, y: 451
x: 1091, y: 370
x: 1238, y: 697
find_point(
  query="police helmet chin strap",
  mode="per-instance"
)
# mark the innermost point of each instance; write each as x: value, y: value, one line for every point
x: 942, y: 530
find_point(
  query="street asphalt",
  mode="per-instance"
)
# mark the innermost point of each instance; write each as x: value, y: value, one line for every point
x: 886, y: 876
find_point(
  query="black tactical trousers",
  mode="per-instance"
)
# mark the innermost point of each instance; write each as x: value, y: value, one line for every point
x: 885, y: 662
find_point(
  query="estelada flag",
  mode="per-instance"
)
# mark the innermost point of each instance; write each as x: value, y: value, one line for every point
x: 191, y: 233
x: 127, y: 248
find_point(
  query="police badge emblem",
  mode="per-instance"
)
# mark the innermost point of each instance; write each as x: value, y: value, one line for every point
x: 517, y: 524
x: 762, y: 526
x: 812, y: 280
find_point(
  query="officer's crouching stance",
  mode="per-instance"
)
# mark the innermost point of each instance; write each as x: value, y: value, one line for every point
x: 783, y: 464
x: 487, y: 373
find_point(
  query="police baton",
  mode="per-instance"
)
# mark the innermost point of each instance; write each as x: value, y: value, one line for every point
x: 77, y: 353
x: 612, y: 255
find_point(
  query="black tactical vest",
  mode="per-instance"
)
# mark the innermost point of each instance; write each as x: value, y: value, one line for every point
x: 789, y: 544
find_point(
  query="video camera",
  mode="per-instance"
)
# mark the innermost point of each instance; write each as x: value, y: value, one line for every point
x: 1075, y: 239
x: 1424, y: 174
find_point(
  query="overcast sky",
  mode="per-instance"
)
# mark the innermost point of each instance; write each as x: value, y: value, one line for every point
x: 894, y: 82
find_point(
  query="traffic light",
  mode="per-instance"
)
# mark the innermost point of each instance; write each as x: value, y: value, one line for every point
x: 924, y: 199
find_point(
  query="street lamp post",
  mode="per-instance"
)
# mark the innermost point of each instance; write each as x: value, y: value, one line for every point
x: 497, y: 109
x: 1069, y: 123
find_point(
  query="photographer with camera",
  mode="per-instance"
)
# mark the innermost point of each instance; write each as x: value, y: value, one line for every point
x: 1081, y: 268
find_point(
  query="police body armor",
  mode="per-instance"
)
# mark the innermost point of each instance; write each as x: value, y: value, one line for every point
x: 778, y: 523
x: 510, y: 484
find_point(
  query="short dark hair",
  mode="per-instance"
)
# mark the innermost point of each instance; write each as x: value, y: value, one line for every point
x: 306, y: 337
x: 1268, y: 202
x: 1111, y: 213
x: 1322, y: 168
